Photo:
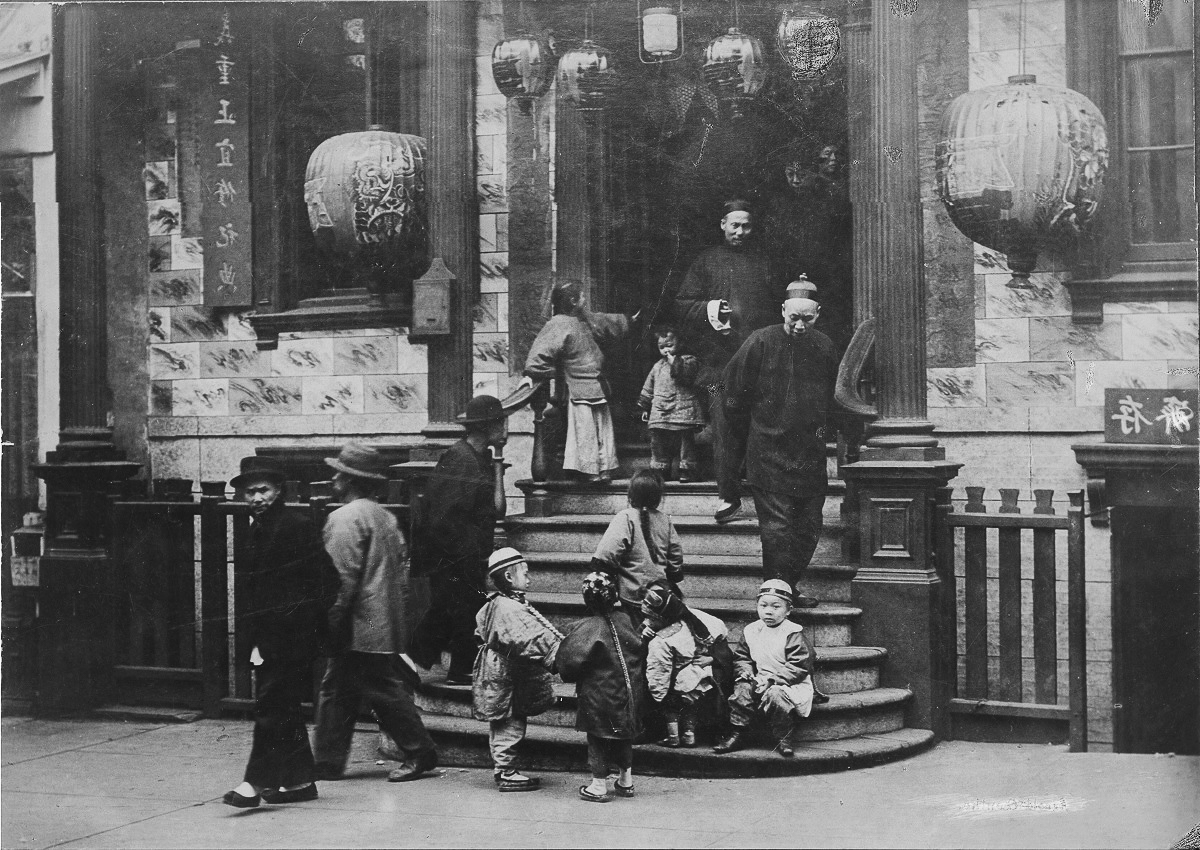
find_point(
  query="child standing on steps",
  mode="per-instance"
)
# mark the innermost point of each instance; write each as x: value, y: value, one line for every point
x: 602, y: 654
x: 511, y: 680
x: 641, y: 545
x: 771, y: 665
x: 680, y: 660
x: 672, y: 408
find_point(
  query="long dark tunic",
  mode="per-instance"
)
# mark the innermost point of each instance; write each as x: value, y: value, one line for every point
x: 607, y: 706
x: 462, y: 515
x: 740, y: 276
x: 784, y: 386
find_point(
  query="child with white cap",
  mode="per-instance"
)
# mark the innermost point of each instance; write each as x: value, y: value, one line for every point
x: 771, y: 669
x: 511, y: 680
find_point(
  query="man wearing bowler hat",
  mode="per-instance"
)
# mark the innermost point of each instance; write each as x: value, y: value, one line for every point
x: 457, y: 538
x: 369, y: 624
x: 289, y: 585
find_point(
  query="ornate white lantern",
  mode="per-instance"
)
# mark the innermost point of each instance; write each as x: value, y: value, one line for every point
x: 735, y: 69
x: 808, y: 42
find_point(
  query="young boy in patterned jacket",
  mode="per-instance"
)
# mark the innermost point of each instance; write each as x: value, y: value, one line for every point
x: 511, y: 680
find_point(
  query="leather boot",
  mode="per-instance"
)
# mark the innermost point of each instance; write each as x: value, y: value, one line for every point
x: 730, y: 744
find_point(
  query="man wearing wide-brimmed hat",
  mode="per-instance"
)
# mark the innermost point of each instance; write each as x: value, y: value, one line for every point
x: 288, y: 586
x: 370, y: 623
x: 456, y: 539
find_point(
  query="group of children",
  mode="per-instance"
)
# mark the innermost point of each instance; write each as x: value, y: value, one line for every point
x: 640, y: 645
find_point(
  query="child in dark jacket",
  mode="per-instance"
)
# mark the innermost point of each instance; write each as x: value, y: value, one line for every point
x: 602, y: 654
x: 672, y: 407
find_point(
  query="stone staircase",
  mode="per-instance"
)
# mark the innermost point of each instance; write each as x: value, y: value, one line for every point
x: 862, y: 723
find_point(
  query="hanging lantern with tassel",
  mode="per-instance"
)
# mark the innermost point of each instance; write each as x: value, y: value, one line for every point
x: 1020, y: 166
x: 808, y: 43
x: 735, y: 69
x: 585, y: 76
x: 522, y: 69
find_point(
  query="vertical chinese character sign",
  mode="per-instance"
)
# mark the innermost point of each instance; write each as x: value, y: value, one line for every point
x: 224, y: 155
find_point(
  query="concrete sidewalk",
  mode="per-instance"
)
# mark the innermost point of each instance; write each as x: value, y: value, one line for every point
x: 111, y: 784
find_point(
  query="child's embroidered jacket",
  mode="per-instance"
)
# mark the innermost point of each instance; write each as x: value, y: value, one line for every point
x: 673, y: 652
x: 512, y: 669
x: 671, y: 406
x: 778, y: 653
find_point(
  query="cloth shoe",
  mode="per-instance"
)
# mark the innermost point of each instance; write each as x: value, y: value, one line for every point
x: 239, y: 801
x: 588, y: 796
x: 513, y: 780
x: 423, y: 763
x: 728, y: 512
x: 730, y: 744
x: 672, y: 739
x: 296, y: 795
x: 803, y: 601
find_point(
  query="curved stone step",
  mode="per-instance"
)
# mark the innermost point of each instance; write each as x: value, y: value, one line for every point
x: 705, y: 575
x: 463, y: 743
x: 701, y: 535
x: 829, y: 624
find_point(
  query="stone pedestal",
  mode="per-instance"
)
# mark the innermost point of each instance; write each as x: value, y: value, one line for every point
x: 75, y: 652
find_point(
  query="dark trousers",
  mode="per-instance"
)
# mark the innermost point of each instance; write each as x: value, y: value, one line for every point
x: 606, y: 752
x: 789, y: 527
x: 280, y: 755
x: 667, y: 444
x: 449, y: 625
x: 729, y: 446
x: 380, y: 679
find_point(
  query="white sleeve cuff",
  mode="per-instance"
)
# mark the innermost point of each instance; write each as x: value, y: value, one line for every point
x: 714, y: 311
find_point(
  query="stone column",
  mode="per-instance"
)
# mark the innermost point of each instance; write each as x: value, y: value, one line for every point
x: 453, y: 203
x: 859, y: 87
x: 581, y: 189
x: 901, y: 468
x: 84, y: 382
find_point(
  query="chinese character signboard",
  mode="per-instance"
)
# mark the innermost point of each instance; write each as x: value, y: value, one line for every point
x: 1155, y: 417
x: 224, y: 134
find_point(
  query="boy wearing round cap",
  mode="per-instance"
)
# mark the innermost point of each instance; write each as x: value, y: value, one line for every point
x: 512, y: 669
x: 369, y: 624
x: 771, y: 672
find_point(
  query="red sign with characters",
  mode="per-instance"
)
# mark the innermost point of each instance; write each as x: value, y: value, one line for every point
x: 1153, y: 417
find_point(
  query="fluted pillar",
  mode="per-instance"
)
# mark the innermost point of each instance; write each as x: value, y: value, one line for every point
x: 453, y: 202
x: 580, y: 188
x: 859, y: 84
x: 84, y: 382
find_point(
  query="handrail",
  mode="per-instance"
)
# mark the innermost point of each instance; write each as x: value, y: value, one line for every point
x: 854, y: 362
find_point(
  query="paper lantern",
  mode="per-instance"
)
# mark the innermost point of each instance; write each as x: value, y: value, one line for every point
x: 1021, y: 165
x: 365, y: 194
x: 735, y: 69
x: 522, y: 69
x: 808, y: 42
x: 585, y: 76
x: 661, y: 34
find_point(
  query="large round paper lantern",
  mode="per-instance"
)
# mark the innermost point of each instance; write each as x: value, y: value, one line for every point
x: 1020, y: 166
x: 522, y: 69
x: 585, y: 76
x: 808, y: 42
x: 365, y: 194
x: 735, y: 69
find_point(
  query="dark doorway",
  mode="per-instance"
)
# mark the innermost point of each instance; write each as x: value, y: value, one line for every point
x: 1156, y: 630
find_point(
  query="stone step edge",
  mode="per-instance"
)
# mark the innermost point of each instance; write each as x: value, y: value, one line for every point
x: 692, y: 563
x: 463, y: 743
x: 147, y: 714
x: 695, y: 523
x: 826, y: 612
x: 620, y: 485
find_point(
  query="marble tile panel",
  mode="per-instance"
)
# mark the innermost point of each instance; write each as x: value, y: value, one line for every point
x: 956, y: 386
x: 491, y: 115
x: 165, y: 427
x: 1181, y: 306
x: 1065, y: 419
x: 197, y: 324
x: 988, y: 261
x: 1120, y: 308
x: 485, y: 83
x: 389, y: 425
x: 163, y: 217
x: 999, y: 26
x: 991, y: 461
x: 972, y: 30
x: 238, y: 327
x: 291, y: 427
x: 1182, y: 374
x: 980, y: 294
x: 186, y: 253
x: 1030, y: 384
x: 493, y: 267
x: 493, y: 284
x: 485, y: 313
x: 175, y: 459
x: 176, y: 288
x: 174, y: 361
x: 492, y: 195
x: 501, y: 231
x: 160, y: 180
x: 264, y: 396
x: 975, y: 420
x: 335, y: 395
x: 1093, y: 377
x: 487, y: 233
x: 500, y: 153
x: 502, y: 311
x: 220, y: 459
x: 485, y: 384
x: 158, y: 254
x: 201, y: 397
x: 1165, y: 335
x: 1001, y: 340
x: 491, y: 353
x: 413, y: 356
x: 160, y: 398
x: 160, y: 143
x: 394, y: 394
x: 233, y: 359
x: 296, y: 357
x: 1053, y: 466
x: 364, y: 355
x: 158, y: 324
x: 1061, y: 338
x: 1045, y: 297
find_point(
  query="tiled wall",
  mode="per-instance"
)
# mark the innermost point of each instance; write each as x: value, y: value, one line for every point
x: 1038, y: 381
